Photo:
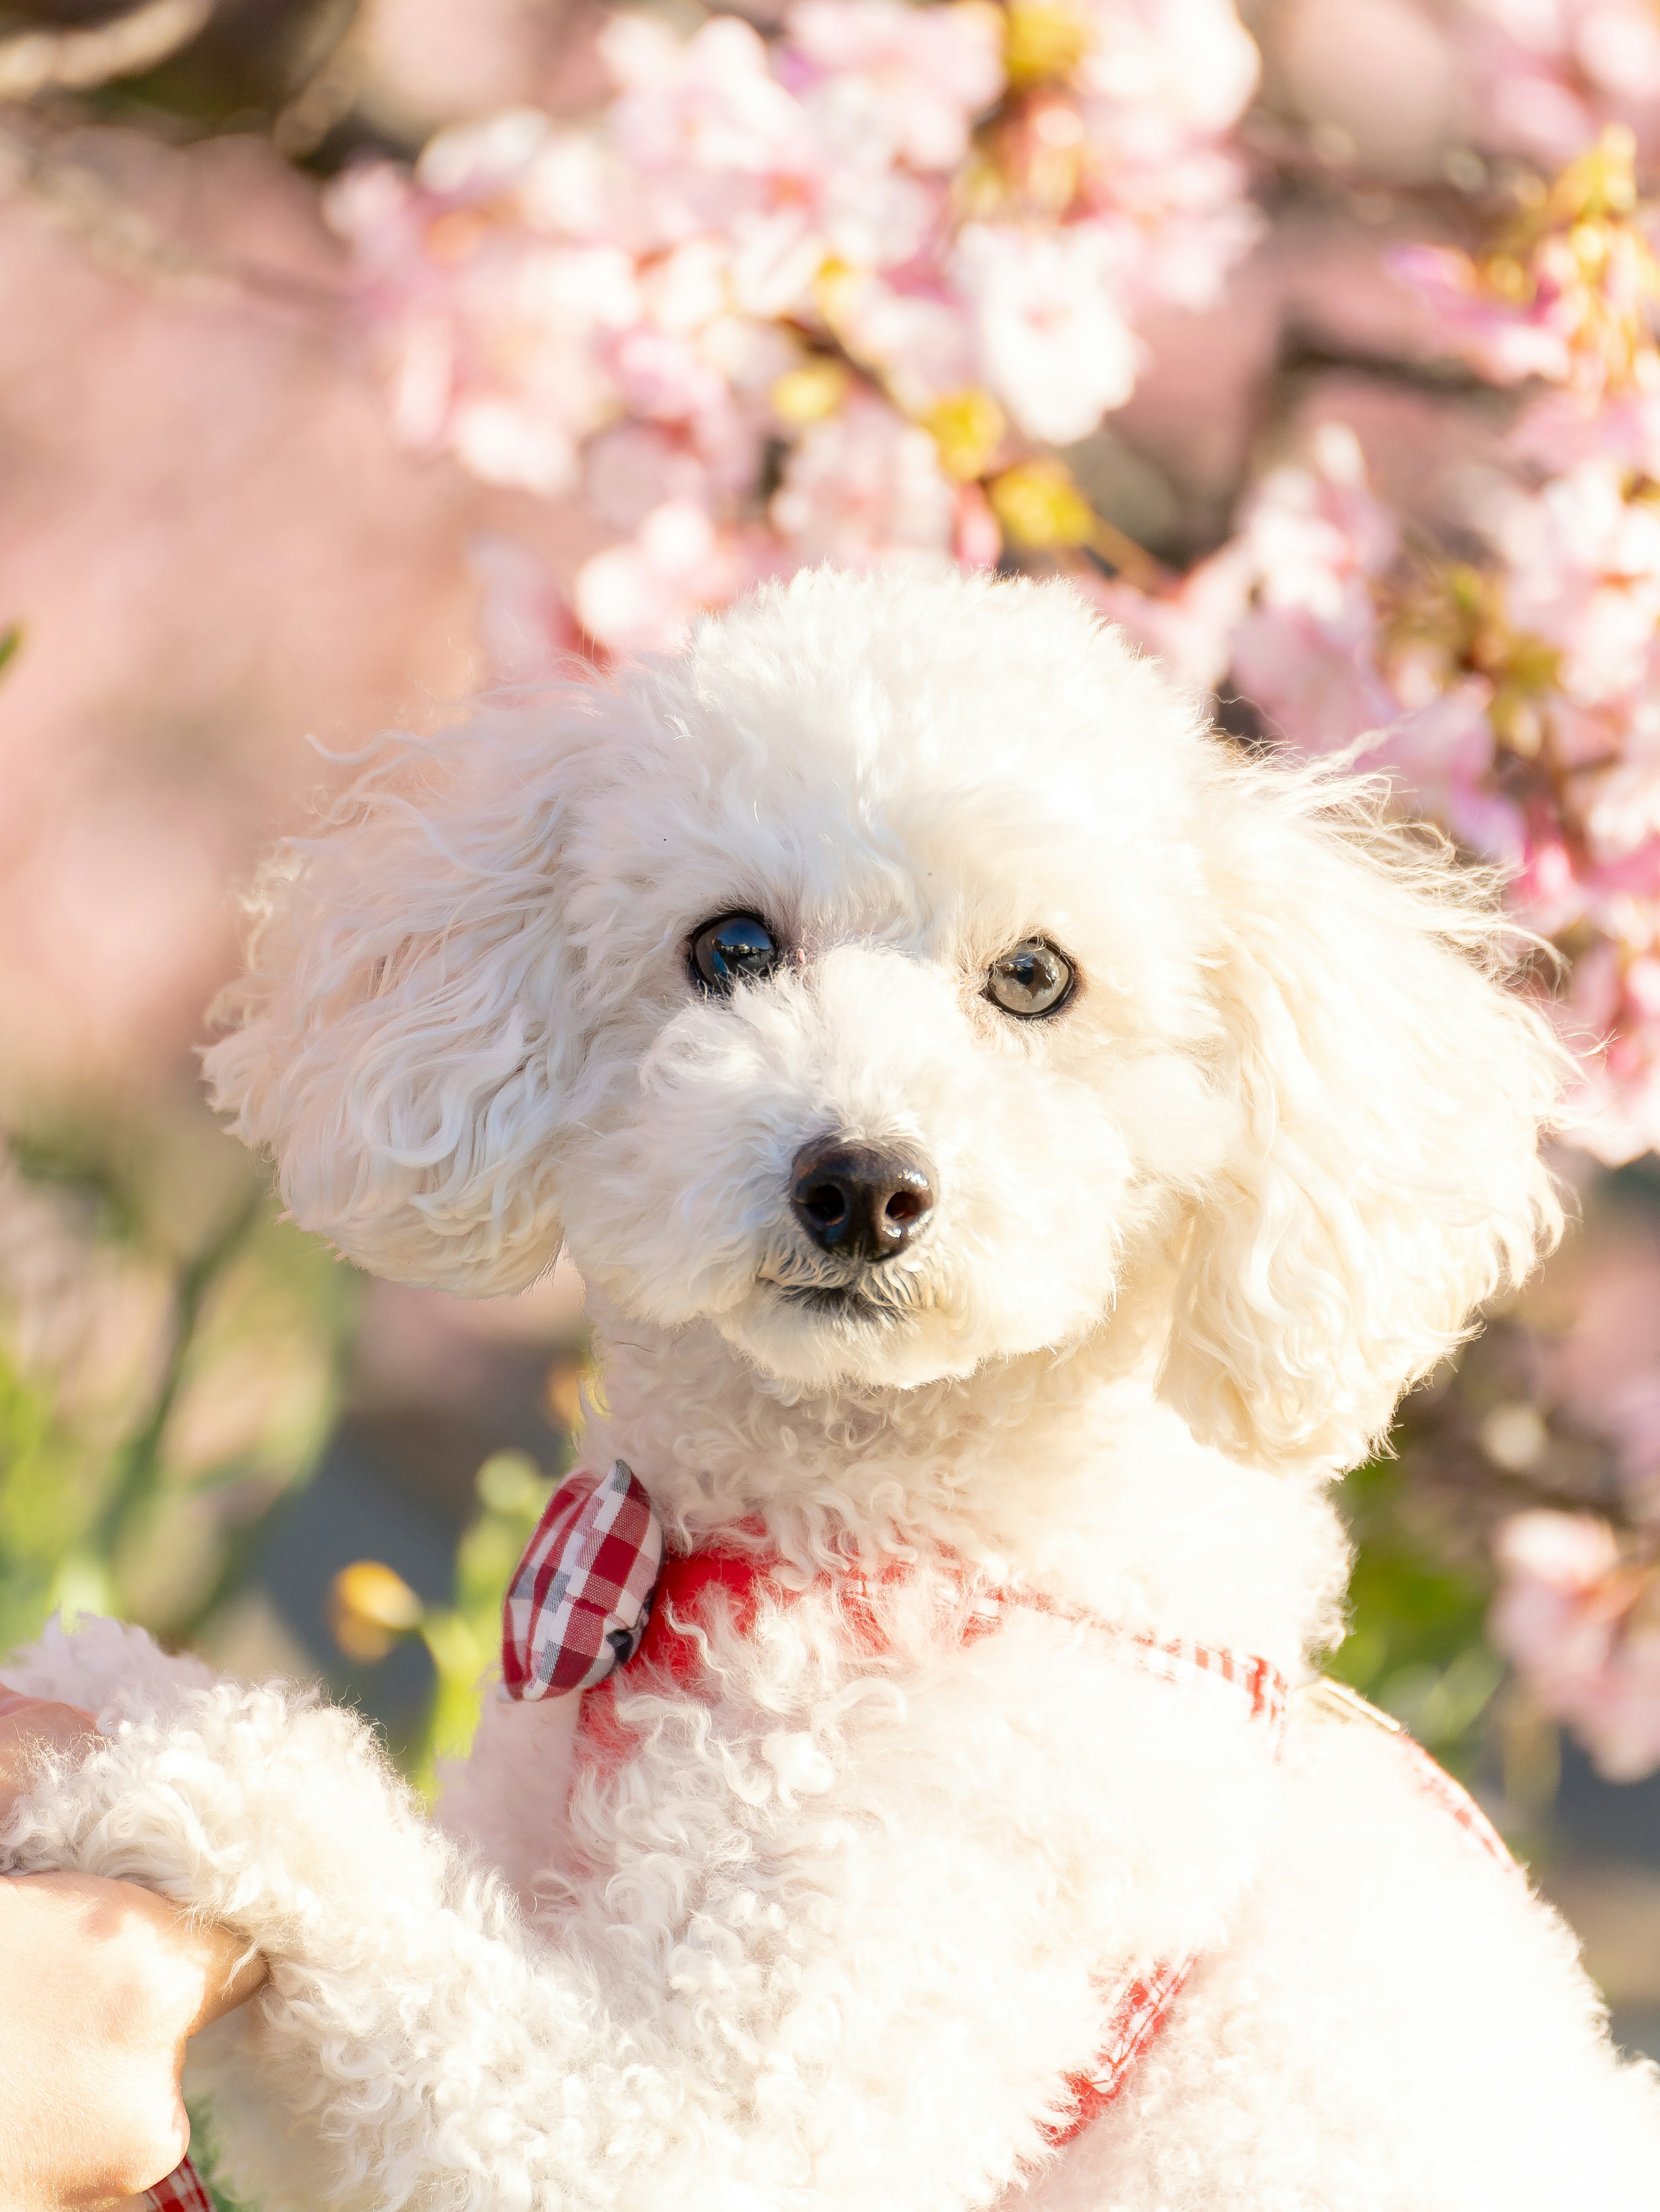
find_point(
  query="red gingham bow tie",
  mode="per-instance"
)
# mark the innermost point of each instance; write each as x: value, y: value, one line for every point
x: 182, y: 2192
x: 581, y: 1598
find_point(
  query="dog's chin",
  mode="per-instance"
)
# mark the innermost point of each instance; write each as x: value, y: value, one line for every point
x: 828, y: 1336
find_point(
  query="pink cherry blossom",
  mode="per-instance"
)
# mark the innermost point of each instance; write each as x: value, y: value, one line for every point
x: 1053, y: 345
x: 1505, y: 341
x: 706, y: 107
x: 1597, y: 1358
x: 1569, y: 291
x: 533, y: 282
x: 1313, y: 541
x: 1191, y: 627
x: 1557, y: 432
x: 1583, y: 573
x: 642, y: 596
x: 920, y: 339
x: 1440, y: 756
x: 1542, y: 77
x: 1581, y: 1630
x: 1182, y: 68
x: 929, y: 72
x: 864, y: 485
x: 1610, y: 1016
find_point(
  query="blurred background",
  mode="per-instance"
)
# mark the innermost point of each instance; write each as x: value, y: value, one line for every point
x: 360, y: 355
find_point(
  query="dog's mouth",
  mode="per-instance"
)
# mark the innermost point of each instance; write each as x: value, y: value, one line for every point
x: 874, y: 1294
x: 843, y: 1298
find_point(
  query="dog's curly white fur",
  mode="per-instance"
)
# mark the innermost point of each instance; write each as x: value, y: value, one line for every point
x: 838, y: 1938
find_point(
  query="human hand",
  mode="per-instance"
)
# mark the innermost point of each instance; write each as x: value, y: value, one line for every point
x: 102, y: 1983
x: 28, y: 1725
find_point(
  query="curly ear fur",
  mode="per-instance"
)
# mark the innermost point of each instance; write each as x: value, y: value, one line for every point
x: 1386, y: 1179
x: 401, y: 1042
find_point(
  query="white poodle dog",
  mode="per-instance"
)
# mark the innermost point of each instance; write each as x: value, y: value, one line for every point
x: 1019, y: 1147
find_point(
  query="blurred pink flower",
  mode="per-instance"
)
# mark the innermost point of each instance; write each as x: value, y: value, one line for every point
x: 727, y: 150
x: 494, y: 334
x: 1567, y: 292
x: 1168, y: 70
x: 1288, y: 604
x: 1054, y: 347
x: 636, y: 466
x: 976, y: 537
x: 1542, y: 77
x: 1580, y: 1631
x: 1161, y: 86
x: 1316, y: 680
x: 864, y: 485
x: 1610, y: 1016
x: 642, y: 595
x: 1317, y: 534
x: 1583, y: 572
x: 1191, y: 626
x: 1439, y: 757
x: 531, y: 283
x: 921, y: 341
x: 214, y: 547
x: 526, y: 624
x: 1596, y: 1359
x: 1504, y: 341
x: 1315, y: 540
x: 707, y: 107
x: 923, y: 74
x: 1557, y: 432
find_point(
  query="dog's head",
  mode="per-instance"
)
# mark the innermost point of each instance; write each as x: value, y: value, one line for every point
x: 904, y: 979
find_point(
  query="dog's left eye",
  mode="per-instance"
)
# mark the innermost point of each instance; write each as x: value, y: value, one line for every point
x: 738, y: 948
x: 1033, y: 979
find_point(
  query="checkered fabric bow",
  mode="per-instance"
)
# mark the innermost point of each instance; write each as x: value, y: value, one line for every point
x: 182, y: 2192
x: 578, y: 1605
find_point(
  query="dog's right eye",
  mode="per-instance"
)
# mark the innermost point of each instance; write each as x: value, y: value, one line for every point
x: 738, y: 948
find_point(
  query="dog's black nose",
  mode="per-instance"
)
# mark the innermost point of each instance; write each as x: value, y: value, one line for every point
x: 859, y: 1201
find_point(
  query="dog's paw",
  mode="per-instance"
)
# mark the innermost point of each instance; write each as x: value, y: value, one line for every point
x: 262, y: 1808
x: 106, y: 1668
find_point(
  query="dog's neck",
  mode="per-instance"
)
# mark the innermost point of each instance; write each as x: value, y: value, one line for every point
x: 1059, y: 1471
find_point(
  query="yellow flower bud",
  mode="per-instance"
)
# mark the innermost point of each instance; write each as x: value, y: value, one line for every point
x: 370, y: 1606
x: 810, y: 392
x: 968, y: 428
x: 1039, y: 506
x: 1043, y: 39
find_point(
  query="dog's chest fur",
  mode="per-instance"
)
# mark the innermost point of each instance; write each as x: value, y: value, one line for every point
x: 1028, y: 1809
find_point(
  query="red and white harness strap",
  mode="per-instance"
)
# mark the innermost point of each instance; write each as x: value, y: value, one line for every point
x: 548, y: 1645
x: 595, y: 1592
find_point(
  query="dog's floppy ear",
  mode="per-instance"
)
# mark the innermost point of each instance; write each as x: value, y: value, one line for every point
x: 1385, y: 1179
x: 400, y: 1042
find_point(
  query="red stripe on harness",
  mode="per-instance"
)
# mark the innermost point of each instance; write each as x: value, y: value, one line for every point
x: 738, y: 1581
x: 736, y: 1578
